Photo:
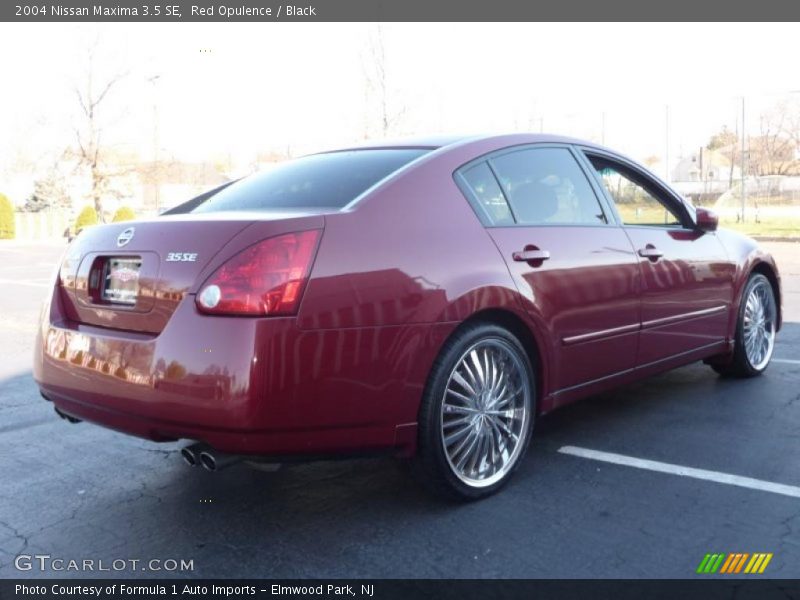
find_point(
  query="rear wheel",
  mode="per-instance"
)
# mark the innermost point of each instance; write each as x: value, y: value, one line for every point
x: 755, y: 330
x: 477, y: 413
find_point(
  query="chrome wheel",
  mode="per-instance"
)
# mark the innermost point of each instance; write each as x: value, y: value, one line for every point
x: 485, y: 412
x: 759, y: 325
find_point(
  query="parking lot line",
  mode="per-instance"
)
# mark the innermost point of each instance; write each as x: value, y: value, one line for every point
x: 23, y: 282
x: 787, y: 361
x: 662, y: 467
x: 17, y: 324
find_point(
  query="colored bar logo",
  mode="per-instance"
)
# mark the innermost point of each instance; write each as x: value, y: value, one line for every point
x: 734, y: 562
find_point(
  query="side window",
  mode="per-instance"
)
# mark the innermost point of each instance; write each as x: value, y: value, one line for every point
x: 488, y: 194
x: 635, y: 204
x: 546, y: 186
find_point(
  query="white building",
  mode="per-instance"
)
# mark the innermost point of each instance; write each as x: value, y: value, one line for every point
x: 704, y: 172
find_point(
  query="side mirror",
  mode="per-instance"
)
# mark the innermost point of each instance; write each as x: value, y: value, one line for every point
x: 706, y: 220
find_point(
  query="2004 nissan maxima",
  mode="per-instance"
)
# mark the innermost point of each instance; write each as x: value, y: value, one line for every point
x: 428, y: 298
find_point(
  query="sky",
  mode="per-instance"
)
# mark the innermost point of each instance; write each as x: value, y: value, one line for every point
x: 235, y: 89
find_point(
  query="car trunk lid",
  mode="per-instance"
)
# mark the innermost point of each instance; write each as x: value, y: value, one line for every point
x: 131, y: 276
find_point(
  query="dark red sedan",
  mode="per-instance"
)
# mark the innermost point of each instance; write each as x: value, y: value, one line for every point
x: 429, y: 298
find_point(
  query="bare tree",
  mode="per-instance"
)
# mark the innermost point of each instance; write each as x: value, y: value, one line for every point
x: 651, y: 161
x: 92, y: 94
x: 376, y: 89
x: 774, y: 150
x: 791, y: 121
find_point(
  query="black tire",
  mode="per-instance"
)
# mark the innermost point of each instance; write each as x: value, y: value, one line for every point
x: 431, y: 465
x: 740, y: 364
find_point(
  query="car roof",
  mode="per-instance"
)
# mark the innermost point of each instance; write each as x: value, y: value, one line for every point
x: 434, y: 142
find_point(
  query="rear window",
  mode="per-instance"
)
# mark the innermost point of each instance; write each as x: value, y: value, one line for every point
x: 329, y: 180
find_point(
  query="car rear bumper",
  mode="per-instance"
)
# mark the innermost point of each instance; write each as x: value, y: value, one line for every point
x: 320, y: 442
x: 241, y: 385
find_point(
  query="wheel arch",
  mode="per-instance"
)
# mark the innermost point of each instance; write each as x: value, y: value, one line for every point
x: 769, y: 271
x: 524, y: 332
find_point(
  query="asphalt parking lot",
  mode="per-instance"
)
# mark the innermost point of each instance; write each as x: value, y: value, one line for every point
x: 82, y: 492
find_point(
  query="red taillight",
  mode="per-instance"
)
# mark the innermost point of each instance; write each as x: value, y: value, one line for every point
x: 266, y: 279
x: 68, y: 268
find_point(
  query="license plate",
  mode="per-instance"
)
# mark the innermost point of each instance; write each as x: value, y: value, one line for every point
x: 122, y: 280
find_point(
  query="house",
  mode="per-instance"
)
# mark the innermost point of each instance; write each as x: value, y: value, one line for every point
x: 708, y: 166
x: 705, y: 173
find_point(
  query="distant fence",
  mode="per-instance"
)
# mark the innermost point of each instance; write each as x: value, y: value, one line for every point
x: 775, y: 197
x: 45, y: 225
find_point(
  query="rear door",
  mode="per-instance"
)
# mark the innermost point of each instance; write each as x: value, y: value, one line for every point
x: 573, y: 265
x: 687, y: 277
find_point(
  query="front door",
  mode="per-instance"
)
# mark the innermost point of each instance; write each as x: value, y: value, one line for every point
x: 687, y: 278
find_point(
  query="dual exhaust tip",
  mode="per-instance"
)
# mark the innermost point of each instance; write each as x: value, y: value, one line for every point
x: 65, y: 416
x: 193, y: 454
x: 208, y: 458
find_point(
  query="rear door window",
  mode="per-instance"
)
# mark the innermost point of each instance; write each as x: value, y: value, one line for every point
x: 546, y: 186
x: 488, y: 196
x: 330, y: 180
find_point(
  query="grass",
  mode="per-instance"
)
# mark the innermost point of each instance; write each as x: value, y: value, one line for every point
x: 786, y: 227
x: 643, y: 215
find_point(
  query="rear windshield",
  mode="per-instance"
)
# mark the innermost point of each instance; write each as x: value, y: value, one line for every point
x: 329, y: 180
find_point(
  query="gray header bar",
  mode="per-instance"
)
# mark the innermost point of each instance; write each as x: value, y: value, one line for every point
x: 397, y: 10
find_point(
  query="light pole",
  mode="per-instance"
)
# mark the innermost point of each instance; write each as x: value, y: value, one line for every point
x: 156, y: 168
x: 666, y: 144
x: 603, y: 128
x: 743, y: 165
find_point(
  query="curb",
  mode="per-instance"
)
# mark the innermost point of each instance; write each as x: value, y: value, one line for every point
x: 775, y: 238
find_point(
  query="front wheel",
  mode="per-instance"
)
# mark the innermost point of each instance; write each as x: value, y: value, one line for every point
x: 755, y: 330
x: 477, y: 413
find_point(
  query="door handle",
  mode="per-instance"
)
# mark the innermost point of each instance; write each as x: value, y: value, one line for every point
x: 650, y: 252
x: 530, y: 255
